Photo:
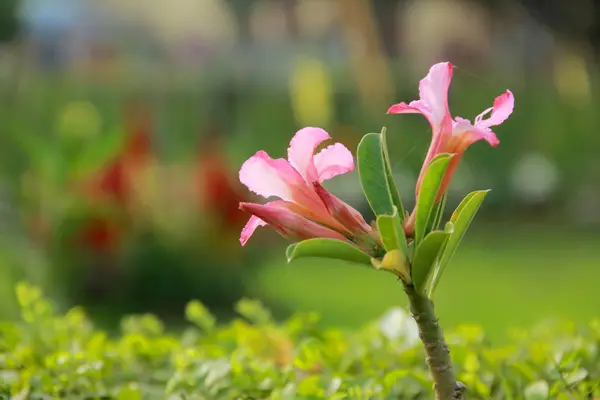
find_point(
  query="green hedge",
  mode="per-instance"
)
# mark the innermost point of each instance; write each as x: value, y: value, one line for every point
x: 48, y: 355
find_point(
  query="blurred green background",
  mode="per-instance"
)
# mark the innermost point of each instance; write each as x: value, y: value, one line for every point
x: 123, y: 124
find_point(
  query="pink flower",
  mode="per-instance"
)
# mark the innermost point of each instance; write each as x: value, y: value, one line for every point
x: 305, y: 209
x: 452, y: 136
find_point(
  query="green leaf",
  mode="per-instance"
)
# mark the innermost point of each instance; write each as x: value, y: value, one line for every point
x: 461, y: 220
x: 392, y: 233
x: 391, y: 183
x: 394, y: 261
x: 327, y: 248
x: 373, y: 175
x: 440, y: 206
x: 428, y: 251
x: 430, y: 185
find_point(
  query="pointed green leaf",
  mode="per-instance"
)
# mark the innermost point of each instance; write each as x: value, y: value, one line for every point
x: 373, y: 176
x: 327, y: 248
x: 430, y: 185
x: 391, y: 183
x: 461, y: 220
x: 428, y: 251
x: 392, y: 233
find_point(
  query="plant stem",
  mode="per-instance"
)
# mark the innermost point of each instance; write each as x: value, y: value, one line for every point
x: 437, y: 353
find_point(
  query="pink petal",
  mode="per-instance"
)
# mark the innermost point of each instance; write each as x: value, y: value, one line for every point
x: 503, y: 107
x: 433, y: 102
x: 285, y: 219
x: 464, y: 134
x: 414, y: 107
x: 302, y: 149
x: 251, y: 225
x: 349, y: 217
x: 268, y: 177
x: 433, y: 91
x: 332, y: 161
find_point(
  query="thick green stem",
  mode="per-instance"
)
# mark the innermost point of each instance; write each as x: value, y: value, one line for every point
x: 437, y: 354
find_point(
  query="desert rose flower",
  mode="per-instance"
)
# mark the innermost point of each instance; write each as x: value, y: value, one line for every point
x: 305, y: 209
x: 452, y: 135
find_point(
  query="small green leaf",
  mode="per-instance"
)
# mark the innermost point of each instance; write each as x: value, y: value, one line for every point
x: 461, y: 220
x: 428, y: 251
x: 372, y: 173
x: 392, y: 233
x: 327, y: 248
x: 391, y: 183
x: 430, y: 185
x: 394, y: 261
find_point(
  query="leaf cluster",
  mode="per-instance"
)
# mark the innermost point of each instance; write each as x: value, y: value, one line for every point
x: 50, y: 355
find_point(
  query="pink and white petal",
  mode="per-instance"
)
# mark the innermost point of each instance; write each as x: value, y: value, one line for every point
x: 253, y: 223
x: 416, y: 107
x: 483, y: 114
x: 503, y: 107
x: 433, y: 91
x: 332, y: 161
x: 464, y: 134
x: 302, y: 149
x: 461, y: 125
x: 268, y: 177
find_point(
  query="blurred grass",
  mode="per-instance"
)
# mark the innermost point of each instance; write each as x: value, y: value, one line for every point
x: 498, y: 279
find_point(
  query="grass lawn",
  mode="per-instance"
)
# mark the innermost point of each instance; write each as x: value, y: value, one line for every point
x: 498, y: 280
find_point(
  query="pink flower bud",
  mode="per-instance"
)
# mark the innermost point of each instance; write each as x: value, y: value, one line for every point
x: 284, y: 218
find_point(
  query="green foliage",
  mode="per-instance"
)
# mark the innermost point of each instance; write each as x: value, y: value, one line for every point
x: 327, y: 248
x: 392, y: 233
x: 426, y: 200
x: 461, y: 220
x: 427, y: 253
x: 439, y: 208
x: 376, y: 175
x: 389, y: 174
x: 49, y: 355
